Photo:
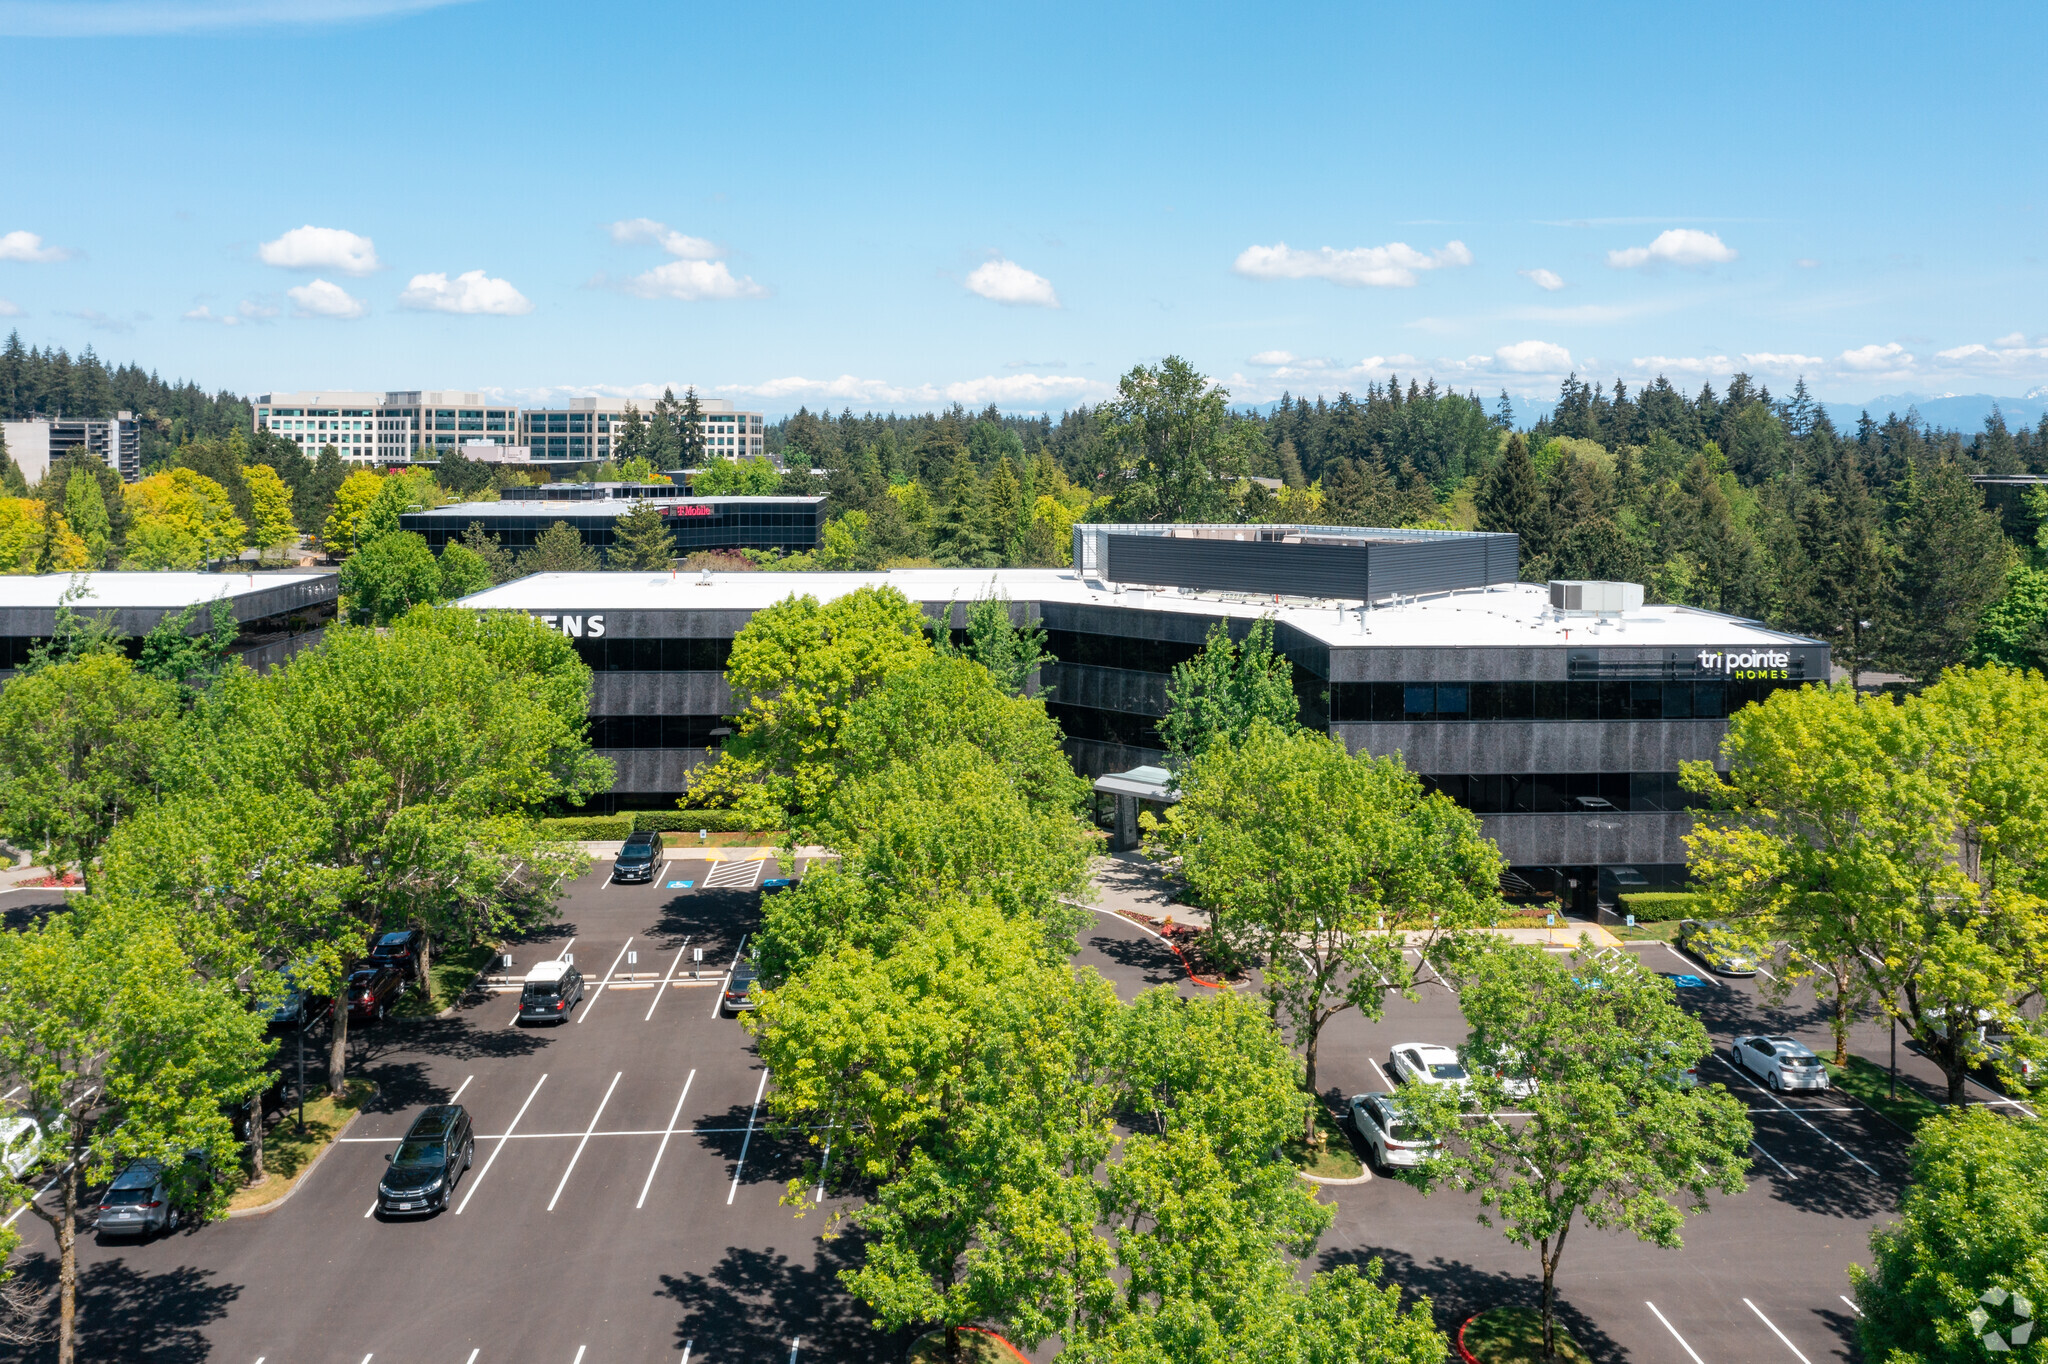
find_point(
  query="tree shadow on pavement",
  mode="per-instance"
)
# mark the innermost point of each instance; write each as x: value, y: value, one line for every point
x: 125, y: 1315
x: 753, y: 1304
x: 1155, y: 962
x: 1457, y: 1290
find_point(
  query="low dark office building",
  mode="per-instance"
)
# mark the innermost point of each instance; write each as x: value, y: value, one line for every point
x: 789, y: 524
x: 279, y: 613
x: 1558, y: 713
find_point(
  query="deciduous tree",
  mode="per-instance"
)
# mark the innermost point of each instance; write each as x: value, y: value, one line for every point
x: 1221, y: 693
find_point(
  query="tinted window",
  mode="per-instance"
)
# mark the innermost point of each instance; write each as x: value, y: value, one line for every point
x: 540, y: 989
x: 420, y: 1153
x: 126, y: 1198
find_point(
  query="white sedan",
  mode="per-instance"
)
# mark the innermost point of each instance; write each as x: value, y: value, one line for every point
x: 1780, y: 1062
x: 1425, y: 1063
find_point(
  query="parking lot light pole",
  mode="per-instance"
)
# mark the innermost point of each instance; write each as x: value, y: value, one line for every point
x: 1895, y: 1056
x: 302, y: 1072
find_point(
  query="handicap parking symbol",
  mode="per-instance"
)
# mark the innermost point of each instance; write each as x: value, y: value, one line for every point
x: 681, y: 885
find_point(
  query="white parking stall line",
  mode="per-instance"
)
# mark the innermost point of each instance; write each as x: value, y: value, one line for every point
x: 39, y: 1193
x: 680, y: 1099
x: 1851, y: 1306
x: 584, y: 1012
x: 472, y: 1355
x: 579, y: 1354
x: 662, y: 989
x: 794, y: 1346
x: 1381, y: 1073
x: 688, y: 1346
x: 1775, y: 1331
x: 1795, y: 1113
x: 458, y: 1092
x: 368, y: 1358
x: 759, y: 1090
x: 565, y: 947
x: 370, y: 1211
x: 719, y: 998
x: 564, y: 1180
x: 1768, y: 1156
x: 493, y: 1157
x: 1675, y: 1336
x: 1998, y: 1098
x: 823, y: 1166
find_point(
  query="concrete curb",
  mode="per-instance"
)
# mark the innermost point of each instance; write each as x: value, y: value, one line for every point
x: 304, y: 1175
x: 1362, y: 1177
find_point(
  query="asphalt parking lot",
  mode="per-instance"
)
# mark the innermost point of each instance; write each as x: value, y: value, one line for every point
x: 623, y: 1201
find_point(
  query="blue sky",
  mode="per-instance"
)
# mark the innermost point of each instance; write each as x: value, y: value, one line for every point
x: 898, y: 206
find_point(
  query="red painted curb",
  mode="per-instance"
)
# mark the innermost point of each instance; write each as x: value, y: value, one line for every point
x: 1210, y: 984
x: 984, y: 1331
x: 1464, y: 1354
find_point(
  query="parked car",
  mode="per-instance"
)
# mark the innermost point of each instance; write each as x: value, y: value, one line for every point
x: 1505, y: 1062
x: 1997, y: 1052
x: 1780, y: 1062
x: 739, y: 991
x: 401, y: 950
x: 144, y: 1198
x: 299, y: 1008
x: 1709, y: 940
x: 1662, y: 1065
x: 1390, y: 1139
x: 550, y: 991
x: 1425, y: 1063
x: 640, y: 857
x: 372, y: 991
x: 24, y: 1139
x: 438, y: 1147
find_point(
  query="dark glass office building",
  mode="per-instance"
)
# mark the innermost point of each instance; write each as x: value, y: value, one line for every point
x: 1562, y: 726
x: 276, y: 614
x: 790, y: 524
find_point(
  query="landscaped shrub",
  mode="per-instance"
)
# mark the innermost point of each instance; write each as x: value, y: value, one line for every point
x: 690, y: 821
x: 1656, y: 906
x: 596, y: 828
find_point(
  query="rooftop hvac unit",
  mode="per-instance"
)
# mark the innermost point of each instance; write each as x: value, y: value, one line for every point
x: 1574, y: 598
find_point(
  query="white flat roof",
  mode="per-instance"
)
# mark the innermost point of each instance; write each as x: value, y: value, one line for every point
x: 595, y: 506
x: 1506, y: 615
x: 142, y: 590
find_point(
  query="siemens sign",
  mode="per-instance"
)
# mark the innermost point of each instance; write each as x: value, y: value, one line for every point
x: 1749, y: 663
x: 576, y: 627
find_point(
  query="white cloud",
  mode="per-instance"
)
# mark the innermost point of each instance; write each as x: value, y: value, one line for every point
x: 321, y: 248
x: 1788, y: 360
x: 1969, y: 352
x: 1543, y: 279
x: 1865, y: 359
x: 690, y: 280
x: 1005, y: 281
x: 1807, y: 263
x: 1533, y: 357
x: 246, y: 311
x: 696, y: 273
x: 1681, y: 364
x: 321, y: 299
x: 1392, y: 266
x: 472, y: 291
x: 1273, y: 357
x: 8, y: 309
x: 28, y: 246
x: 1675, y: 246
x: 678, y: 244
x: 2011, y: 339
x: 1025, y: 391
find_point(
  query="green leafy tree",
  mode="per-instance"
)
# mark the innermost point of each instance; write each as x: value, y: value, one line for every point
x: 1011, y: 654
x: 796, y: 670
x: 1909, y: 837
x: 690, y: 442
x: 463, y: 571
x: 172, y: 653
x: 754, y: 477
x: 642, y: 540
x: 429, y: 745
x: 181, y: 520
x: 76, y: 634
x: 271, y: 528
x: 1974, y: 1219
x: 559, y: 549
x: 630, y: 437
x: 78, y: 745
x: 1510, y: 498
x: 352, y: 498
x: 86, y: 509
x: 388, y: 576
x: 1221, y: 693
x: 1613, y: 1139
x: 1170, y: 447
x: 313, y: 496
x: 2014, y: 629
x: 123, y: 1052
x: 1325, y: 867
x: 12, y: 484
x: 496, y: 558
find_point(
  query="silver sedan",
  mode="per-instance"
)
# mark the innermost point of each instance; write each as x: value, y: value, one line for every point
x: 1780, y: 1062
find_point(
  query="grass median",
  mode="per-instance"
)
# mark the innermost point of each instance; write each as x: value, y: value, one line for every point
x: 1514, y: 1335
x: 1333, y: 1158
x: 449, y: 975
x: 289, y: 1152
x: 1871, y: 1083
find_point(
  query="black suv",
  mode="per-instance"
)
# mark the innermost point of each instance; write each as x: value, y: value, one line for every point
x: 401, y: 950
x: 426, y: 1165
x: 638, y: 859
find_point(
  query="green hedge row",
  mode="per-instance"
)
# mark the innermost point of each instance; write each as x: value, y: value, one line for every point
x: 1657, y: 906
x: 614, y: 828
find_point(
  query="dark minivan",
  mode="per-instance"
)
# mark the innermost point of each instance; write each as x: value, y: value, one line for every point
x: 427, y: 1163
x: 638, y: 859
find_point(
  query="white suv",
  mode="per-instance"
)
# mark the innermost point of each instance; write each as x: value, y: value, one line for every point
x: 1780, y: 1062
